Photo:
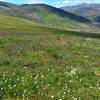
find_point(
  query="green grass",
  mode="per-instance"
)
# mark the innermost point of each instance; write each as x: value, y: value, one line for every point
x: 49, y: 64
x: 8, y: 22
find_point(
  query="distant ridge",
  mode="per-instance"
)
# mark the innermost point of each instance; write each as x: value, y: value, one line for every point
x: 7, y: 4
x: 90, y: 11
x: 55, y: 10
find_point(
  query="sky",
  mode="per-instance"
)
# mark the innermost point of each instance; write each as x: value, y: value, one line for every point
x: 57, y: 3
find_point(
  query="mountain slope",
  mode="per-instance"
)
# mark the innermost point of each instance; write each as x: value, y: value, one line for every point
x: 47, y: 15
x: 29, y: 8
x: 8, y: 22
x: 91, y: 11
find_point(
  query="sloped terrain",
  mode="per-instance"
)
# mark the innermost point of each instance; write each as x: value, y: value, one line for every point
x: 8, y: 22
x: 47, y: 15
x: 90, y: 11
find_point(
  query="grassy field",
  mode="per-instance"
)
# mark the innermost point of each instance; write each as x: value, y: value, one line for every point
x: 47, y: 64
x: 52, y: 65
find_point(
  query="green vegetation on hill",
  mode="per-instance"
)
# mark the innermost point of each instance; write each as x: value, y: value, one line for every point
x: 8, y: 22
x: 53, y: 20
x: 48, y: 16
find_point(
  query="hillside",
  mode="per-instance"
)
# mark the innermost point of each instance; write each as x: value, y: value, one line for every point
x: 8, y: 22
x: 47, y: 15
x: 90, y: 11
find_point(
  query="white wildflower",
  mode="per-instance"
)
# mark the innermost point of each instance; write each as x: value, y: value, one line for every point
x: 52, y: 96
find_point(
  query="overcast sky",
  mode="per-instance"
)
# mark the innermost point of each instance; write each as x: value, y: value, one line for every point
x: 57, y: 3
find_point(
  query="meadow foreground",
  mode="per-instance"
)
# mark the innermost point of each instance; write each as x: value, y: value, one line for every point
x: 48, y: 64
